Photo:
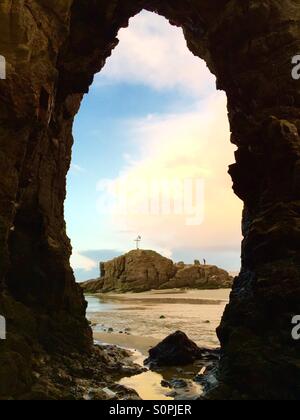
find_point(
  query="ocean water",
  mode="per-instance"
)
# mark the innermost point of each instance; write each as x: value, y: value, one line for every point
x: 96, y: 305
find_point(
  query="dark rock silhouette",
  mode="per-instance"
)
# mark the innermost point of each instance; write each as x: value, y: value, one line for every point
x: 178, y: 350
x: 175, y: 350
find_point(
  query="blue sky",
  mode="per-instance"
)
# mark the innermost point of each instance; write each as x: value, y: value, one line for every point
x: 152, y: 113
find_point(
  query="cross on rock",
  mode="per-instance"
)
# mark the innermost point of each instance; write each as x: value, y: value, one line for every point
x: 138, y: 240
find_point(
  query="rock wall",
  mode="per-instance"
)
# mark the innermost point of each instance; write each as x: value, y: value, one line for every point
x: 141, y: 271
x: 53, y: 49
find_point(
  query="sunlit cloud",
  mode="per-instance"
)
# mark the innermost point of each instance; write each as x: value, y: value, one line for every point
x: 190, y: 141
x: 82, y: 262
x: 193, y: 145
x: 77, y: 168
x: 154, y: 53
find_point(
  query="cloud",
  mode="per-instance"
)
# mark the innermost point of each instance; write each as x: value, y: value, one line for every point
x: 186, y: 145
x: 83, y: 275
x: 77, y: 168
x: 79, y: 261
x: 86, y: 263
x: 191, y: 143
x: 228, y: 259
x: 101, y: 255
x: 154, y: 53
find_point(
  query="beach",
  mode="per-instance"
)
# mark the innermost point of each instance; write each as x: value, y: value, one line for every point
x: 140, y: 321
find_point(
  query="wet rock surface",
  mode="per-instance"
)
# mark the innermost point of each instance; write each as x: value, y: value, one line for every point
x: 82, y: 377
x: 141, y: 271
x: 198, y: 375
x: 179, y: 350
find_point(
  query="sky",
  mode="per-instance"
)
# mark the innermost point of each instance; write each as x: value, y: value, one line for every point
x: 151, y: 156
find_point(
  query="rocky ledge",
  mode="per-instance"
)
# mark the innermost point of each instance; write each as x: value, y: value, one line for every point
x: 141, y: 271
x: 75, y: 376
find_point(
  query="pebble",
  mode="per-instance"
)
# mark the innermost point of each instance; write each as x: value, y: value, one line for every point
x: 109, y: 393
x: 172, y: 394
x: 166, y: 384
x: 178, y: 383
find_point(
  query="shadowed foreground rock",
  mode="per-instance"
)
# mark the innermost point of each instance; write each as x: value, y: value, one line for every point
x: 73, y: 376
x: 77, y: 377
x: 178, y: 350
x: 141, y: 271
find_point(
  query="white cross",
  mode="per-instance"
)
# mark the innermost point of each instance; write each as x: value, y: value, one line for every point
x: 138, y: 240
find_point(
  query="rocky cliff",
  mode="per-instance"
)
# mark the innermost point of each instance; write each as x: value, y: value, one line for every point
x: 141, y: 270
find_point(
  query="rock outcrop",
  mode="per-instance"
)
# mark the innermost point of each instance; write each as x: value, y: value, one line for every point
x: 82, y: 376
x: 141, y: 271
x: 179, y: 350
x: 53, y: 49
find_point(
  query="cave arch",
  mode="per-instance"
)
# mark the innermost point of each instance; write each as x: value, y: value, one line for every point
x: 52, y: 50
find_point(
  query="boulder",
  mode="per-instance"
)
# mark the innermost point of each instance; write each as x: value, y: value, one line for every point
x: 175, y: 350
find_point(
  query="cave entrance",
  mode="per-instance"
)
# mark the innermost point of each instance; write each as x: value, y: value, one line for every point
x: 58, y: 47
x: 151, y: 154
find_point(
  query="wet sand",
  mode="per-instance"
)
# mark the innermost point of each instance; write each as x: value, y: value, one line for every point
x: 139, y: 321
x: 130, y: 342
x: 149, y: 317
x: 193, y: 297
